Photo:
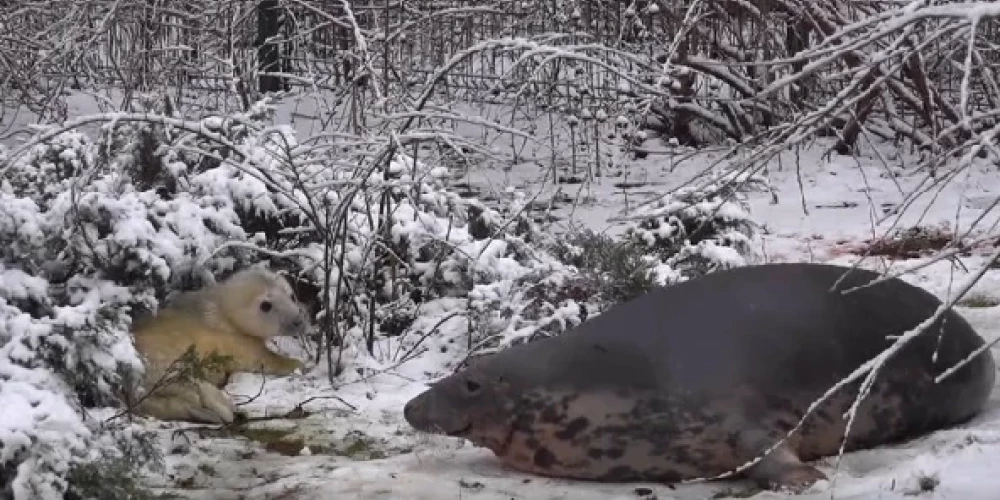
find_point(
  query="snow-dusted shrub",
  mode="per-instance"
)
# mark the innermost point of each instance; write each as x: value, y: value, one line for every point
x: 688, y: 233
x: 539, y: 303
x: 611, y: 270
x: 79, y: 255
x: 95, y: 231
x: 61, y: 347
x: 442, y: 246
x: 61, y: 342
x: 116, y: 472
x: 698, y: 229
x: 685, y: 234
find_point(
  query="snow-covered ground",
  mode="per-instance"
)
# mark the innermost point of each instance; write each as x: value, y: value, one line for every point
x: 355, y: 444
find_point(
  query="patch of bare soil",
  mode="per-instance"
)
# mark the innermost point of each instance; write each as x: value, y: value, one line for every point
x: 910, y: 243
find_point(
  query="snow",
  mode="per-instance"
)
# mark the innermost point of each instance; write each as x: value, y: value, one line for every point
x: 355, y: 444
x: 844, y: 200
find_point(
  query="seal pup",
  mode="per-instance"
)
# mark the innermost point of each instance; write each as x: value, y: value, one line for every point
x: 233, y: 318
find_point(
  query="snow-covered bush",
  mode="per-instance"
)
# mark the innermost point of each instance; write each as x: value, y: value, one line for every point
x: 78, y: 257
x: 116, y: 472
x: 687, y: 233
x: 611, y: 270
x: 62, y: 348
x: 95, y: 232
x: 698, y: 229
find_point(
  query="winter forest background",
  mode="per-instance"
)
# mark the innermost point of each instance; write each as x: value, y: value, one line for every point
x: 441, y: 179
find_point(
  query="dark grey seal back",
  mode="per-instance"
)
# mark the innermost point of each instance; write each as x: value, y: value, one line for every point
x: 777, y: 327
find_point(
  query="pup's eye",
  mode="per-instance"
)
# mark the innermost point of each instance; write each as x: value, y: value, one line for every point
x: 472, y: 386
x: 266, y: 306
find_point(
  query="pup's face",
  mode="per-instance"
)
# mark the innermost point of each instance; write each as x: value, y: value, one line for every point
x: 270, y: 311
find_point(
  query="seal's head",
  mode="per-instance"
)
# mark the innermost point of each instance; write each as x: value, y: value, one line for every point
x: 262, y: 304
x: 477, y: 403
x: 254, y: 302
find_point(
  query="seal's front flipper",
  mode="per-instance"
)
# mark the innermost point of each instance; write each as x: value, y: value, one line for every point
x: 782, y: 470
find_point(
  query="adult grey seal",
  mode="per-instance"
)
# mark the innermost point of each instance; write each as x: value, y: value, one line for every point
x: 696, y: 379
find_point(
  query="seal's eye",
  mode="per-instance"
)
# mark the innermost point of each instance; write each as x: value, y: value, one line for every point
x: 266, y: 306
x: 471, y: 386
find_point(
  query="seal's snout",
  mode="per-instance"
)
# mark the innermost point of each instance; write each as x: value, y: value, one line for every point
x: 417, y: 413
x: 428, y: 413
x: 294, y: 325
x: 410, y: 411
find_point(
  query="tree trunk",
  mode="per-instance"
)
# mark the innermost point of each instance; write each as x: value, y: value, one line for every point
x: 268, y: 55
